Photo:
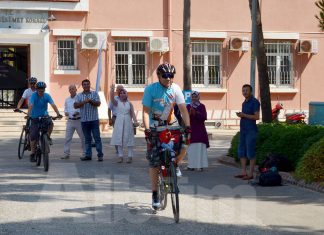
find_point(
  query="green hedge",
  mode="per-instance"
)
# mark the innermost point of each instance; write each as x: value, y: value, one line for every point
x: 291, y: 141
x: 311, y: 166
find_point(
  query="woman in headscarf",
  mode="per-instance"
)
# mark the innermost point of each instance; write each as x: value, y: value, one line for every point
x: 123, y: 134
x: 197, y: 151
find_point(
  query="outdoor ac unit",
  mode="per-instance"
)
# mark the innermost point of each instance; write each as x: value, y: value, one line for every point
x: 94, y: 40
x: 308, y: 46
x: 239, y: 44
x: 159, y: 44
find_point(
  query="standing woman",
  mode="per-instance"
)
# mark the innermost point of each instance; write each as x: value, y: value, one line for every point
x: 123, y: 134
x: 197, y: 151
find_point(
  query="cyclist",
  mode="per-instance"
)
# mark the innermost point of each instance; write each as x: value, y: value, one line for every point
x: 38, y: 108
x: 23, y: 102
x: 158, y: 102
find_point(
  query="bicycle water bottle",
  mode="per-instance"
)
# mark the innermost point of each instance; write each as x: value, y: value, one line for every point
x: 166, y: 112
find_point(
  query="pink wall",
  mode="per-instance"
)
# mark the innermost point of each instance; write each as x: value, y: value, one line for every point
x: 232, y: 17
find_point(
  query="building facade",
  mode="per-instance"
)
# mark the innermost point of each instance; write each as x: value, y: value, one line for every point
x: 58, y: 42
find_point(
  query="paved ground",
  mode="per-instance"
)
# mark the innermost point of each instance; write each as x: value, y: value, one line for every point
x: 77, y: 197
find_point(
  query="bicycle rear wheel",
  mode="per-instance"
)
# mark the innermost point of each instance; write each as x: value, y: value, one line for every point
x: 174, y: 192
x: 45, y: 151
x: 22, y: 143
x: 162, y: 192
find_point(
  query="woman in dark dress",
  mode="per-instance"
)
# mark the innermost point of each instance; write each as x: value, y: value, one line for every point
x: 197, y: 151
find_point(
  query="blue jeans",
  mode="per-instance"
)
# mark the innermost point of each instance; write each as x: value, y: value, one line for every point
x: 247, y: 144
x: 89, y: 128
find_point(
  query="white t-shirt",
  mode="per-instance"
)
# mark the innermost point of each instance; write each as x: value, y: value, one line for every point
x: 27, y: 94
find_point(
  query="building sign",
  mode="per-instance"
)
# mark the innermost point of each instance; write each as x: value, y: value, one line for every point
x: 23, y: 19
x: 187, y: 96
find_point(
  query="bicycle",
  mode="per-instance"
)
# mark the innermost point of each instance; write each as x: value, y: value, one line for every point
x: 43, y: 142
x: 24, y: 141
x: 167, y: 178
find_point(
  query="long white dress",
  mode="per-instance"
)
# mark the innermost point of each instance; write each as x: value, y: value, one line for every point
x: 123, y: 134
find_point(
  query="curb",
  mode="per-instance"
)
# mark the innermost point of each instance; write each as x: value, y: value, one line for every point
x: 286, y: 177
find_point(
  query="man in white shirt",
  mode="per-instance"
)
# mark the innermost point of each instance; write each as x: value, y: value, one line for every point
x: 23, y: 102
x: 73, y: 123
x: 112, y: 110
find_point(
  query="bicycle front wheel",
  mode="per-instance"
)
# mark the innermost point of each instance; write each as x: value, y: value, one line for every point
x: 45, y: 151
x: 162, y: 192
x: 174, y: 192
x: 22, y: 143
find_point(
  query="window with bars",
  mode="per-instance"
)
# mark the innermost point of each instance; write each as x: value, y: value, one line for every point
x: 206, y: 63
x: 130, y: 62
x: 280, y: 63
x: 66, y: 54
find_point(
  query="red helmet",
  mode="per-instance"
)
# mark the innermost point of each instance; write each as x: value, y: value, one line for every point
x: 165, y: 136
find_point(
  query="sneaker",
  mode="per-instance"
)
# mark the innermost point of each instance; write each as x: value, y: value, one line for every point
x: 129, y: 160
x: 120, y: 160
x: 178, y: 172
x: 32, y: 157
x: 155, y: 202
x: 100, y: 159
x: 85, y: 158
x: 65, y: 157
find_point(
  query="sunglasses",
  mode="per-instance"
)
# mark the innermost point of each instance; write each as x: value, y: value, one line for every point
x: 167, y: 75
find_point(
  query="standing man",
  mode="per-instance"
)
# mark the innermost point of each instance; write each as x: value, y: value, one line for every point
x: 27, y: 93
x: 73, y: 123
x: 88, y: 103
x: 112, y: 110
x: 37, y: 107
x: 158, y: 101
x: 248, y: 131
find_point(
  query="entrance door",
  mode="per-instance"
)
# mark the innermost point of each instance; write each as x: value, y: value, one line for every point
x: 14, y: 71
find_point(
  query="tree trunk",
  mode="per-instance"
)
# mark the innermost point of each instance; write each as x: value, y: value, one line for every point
x: 262, y: 69
x: 186, y: 45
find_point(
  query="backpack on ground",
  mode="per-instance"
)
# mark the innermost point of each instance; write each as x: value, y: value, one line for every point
x: 271, y: 177
x: 276, y: 160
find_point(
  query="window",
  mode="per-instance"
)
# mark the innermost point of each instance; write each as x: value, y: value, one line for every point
x: 206, y: 63
x: 279, y: 60
x: 130, y: 59
x: 66, y: 54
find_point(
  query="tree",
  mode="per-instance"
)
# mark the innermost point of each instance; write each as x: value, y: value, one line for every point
x: 262, y: 67
x: 320, y: 17
x: 186, y: 45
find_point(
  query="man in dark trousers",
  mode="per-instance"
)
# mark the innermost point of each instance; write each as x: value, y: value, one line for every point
x: 88, y: 102
x: 248, y: 131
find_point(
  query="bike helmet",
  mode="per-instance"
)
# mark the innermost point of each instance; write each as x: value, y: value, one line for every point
x: 32, y: 80
x: 40, y: 85
x: 165, y: 68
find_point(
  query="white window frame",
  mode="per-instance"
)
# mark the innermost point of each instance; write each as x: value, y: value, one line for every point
x: 130, y: 54
x: 206, y: 54
x: 278, y: 66
x: 67, y: 67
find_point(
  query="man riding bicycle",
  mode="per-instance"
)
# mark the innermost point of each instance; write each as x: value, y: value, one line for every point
x: 23, y: 102
x: 158, y: 102
x: 37, y: 107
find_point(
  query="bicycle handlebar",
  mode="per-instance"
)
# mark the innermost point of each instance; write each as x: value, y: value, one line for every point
x: 53, y: 118
x: 19, y: 111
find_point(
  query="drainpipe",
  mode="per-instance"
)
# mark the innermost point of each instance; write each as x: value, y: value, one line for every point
x: 170, y: 29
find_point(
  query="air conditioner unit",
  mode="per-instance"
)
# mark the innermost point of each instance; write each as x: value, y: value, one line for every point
x: 93, y: 40
x: 308, y: 46
x: 159, y: 44
x: 239, y: 44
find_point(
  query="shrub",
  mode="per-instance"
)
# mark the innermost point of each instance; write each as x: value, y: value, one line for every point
x: 291, y: 141
x: 311, y: 166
